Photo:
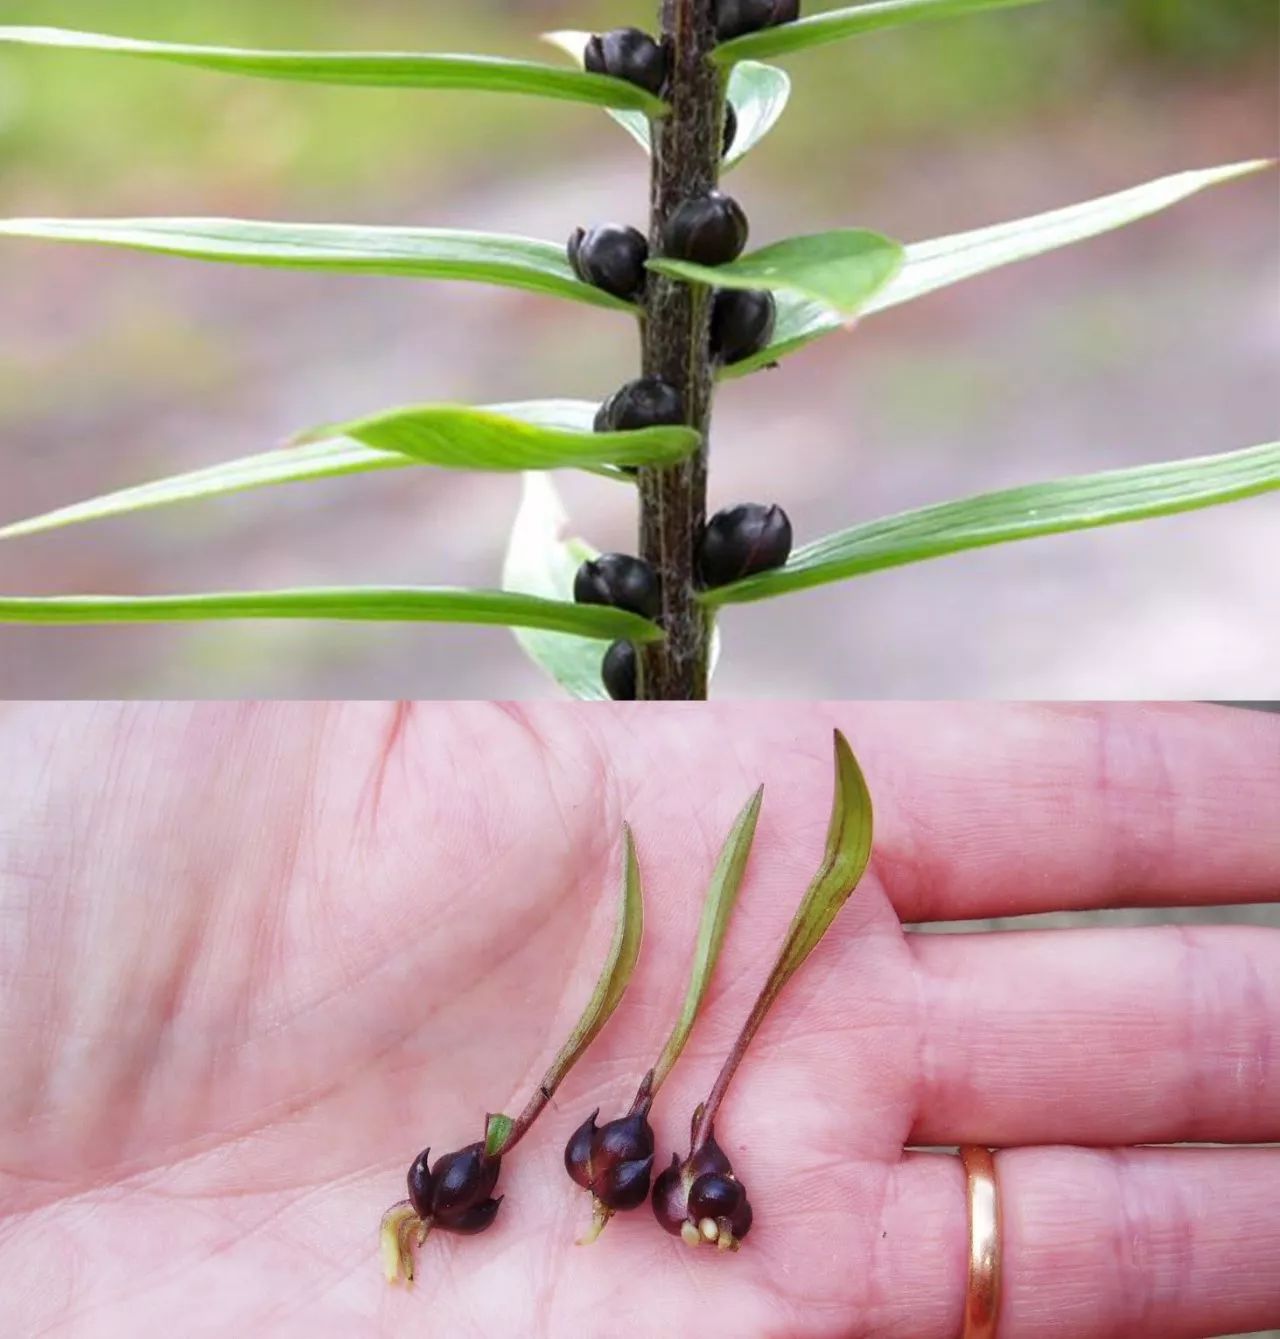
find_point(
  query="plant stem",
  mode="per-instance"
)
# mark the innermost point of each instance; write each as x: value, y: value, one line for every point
x: 673, y: 501
x: 705, y: 1117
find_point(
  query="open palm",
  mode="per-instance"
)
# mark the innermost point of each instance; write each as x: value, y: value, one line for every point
x: 252, y: 960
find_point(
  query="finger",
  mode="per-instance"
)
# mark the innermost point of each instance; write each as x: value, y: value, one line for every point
x: 995, y: 809
x: 1173, y: 1243
x: 1141, y: 1035
x: 1004, y: 810
x: 1144, y: 1243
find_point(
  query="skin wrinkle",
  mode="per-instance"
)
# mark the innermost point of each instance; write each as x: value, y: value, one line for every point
x: 1131, y: 762
x: 402, y: 719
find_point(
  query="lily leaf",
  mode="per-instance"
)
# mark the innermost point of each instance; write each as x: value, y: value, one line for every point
x: 460, y: 437
x: 837, y: 24
x: 422, y: 253
x: 615, y: 976
x: 323, y: 460
x: 373, y: 69
x: 759, y: 94
x: 717, y: 906
x: 406, y: 604
x: 929, y: 266
x: 841, y: 269
x: 541, y: 560
x: 1017, y: 513
x: 327, y: 459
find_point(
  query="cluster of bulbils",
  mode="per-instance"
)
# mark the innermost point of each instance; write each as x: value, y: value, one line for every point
x: 699, y: 1200
x: 708, y: 230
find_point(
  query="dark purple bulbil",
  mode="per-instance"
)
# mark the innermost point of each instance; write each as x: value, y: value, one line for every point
x: 701, y: 1201
x: 613, y: 1161
x: 457, y: 1193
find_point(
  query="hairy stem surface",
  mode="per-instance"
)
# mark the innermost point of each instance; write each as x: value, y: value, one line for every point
x: 673, y: 501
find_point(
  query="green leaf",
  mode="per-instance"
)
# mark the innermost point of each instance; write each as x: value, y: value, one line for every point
x: 844, y: 862
x: 295, y: 464
x: 841, y: 269
x: 930, y: 266
x: 423, y: 253
x: 460, y: 437
x: 614, y: 978
x: 374, y: 69
x: 323, y: 460
x: 1017, y: 513
x: 407, y: 604
x: 843, y: 865
x: 717, y: 906
x: 837, y: 24
x: 542, y: 561
x: 759, y: 94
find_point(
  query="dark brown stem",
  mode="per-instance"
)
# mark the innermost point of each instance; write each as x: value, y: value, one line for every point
x: 705, y: 1117
x: 673, y: 501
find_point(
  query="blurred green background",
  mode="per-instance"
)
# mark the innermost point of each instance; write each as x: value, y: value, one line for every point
x: 1156, y: 343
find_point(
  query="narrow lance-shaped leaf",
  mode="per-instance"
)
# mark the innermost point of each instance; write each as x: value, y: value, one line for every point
x: 327, y: 459
x: 845, y: 859
x: 854, y: 21
x: 1017, y: 513
x: 759, y: 95
x: 841, y: 269
x: 422, y: 253
x: 374, y: 69
x: 717, y: 906
x: 406, y: 604
x: 503, y: 1132
x: 460, y: 437
x: 933, y: 265
x: 323, y: 460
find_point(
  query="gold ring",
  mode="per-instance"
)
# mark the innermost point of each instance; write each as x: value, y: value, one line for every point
x: 982, y: 1297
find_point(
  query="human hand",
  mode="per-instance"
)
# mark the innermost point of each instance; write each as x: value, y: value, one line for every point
x: 252, y: 960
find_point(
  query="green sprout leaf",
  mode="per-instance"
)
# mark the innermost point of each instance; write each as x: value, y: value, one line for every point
x: 843, y: 864
x: 837, y: 24
x: 542, y: 560
x: 422, y: 253
x: 930, y: 266
x: 406, y: 604
x: 1017, y: 513
x: 841, y: 269
x: 717, y: 906
x: 759, y: 94
x: 372, y: 69
x: 503, y: 1133
x: 341, y: 456
x: 497, y: 1132
x: 459, y: 437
